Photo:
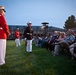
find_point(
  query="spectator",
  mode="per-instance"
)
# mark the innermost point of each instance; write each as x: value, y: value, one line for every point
x: 73, y: 47
x: 53, y: 40
x: 65, y: 43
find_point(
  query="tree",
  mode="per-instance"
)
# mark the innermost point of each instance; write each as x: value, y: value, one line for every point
x: 70, y: 22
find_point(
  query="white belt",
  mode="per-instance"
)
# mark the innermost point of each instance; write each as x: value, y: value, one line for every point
x: 1, y: 28
x: 29, y: 33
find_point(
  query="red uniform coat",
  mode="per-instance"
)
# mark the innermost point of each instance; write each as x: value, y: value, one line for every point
x: 17, y: 34
x: 4, y: 30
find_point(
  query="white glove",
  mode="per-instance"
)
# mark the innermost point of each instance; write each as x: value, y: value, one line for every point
x: 25, y: 39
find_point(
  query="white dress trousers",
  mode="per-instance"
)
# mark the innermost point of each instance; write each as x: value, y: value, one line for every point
x: 29, y: 46
x: 2, y: 51
x: 17, y: 42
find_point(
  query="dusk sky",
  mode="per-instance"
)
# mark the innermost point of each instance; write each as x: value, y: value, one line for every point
x: 56, y: 12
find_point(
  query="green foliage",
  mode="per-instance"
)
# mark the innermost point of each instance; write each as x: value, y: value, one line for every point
x: 39, y: 62
x: 70, y: 22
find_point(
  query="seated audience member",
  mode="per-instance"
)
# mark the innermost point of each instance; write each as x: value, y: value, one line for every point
x: 73, y: 47
x: 47, y: 40
x: 36, y: 40
x: 61, y: 37
x: 65, y: 43
x: 44, y: 41
x: 53, y: 40
x: 39, y: 40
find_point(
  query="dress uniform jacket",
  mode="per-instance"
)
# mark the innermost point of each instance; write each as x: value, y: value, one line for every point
x: 17, y: 34
x: 4, y: 30
x: 28, y: 33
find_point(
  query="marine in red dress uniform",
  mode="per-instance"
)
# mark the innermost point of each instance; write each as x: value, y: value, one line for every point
x: 17, y: 34
x: 17, y: 37
x: 4, y: 32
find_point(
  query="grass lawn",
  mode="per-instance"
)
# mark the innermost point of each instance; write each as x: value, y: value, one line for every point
x: 40, y: 62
